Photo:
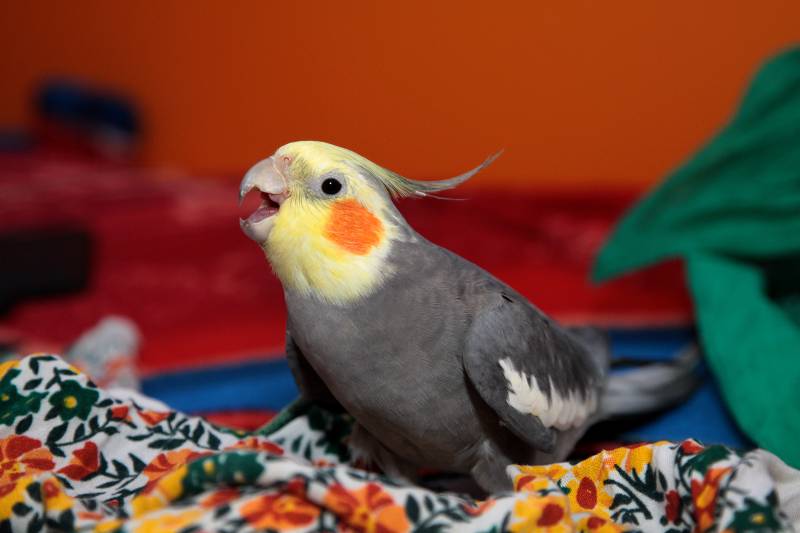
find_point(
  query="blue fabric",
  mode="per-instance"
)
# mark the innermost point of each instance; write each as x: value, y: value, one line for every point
x: 264, y: 385
x: 702, y: 417
x: 268, y: 385
x: 649, y: 344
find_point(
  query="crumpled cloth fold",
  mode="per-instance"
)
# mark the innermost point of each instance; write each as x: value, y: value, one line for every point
x: 75, y: 458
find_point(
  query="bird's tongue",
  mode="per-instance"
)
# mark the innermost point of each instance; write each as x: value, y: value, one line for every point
x: 257, y: 207
x: 261, y: 213
x: 272, y: 188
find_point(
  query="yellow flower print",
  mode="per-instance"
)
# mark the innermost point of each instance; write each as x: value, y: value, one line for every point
x: 171, y: 485
x: 168, y: 522
x: 533, y: 478
x: 638, y: 458
x: 6, y: 366
x: 145, y: 503
x: 106, y: 526
x: 629, y: 458
x: 546, y: 514
x: 167, y: 489
x: 11, y: 494
x: 587, y: 487
x: 597, y: 524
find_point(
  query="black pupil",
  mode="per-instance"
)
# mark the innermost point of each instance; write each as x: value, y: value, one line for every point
x: 331, y: 186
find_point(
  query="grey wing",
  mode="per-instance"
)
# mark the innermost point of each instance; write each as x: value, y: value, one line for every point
x: 308, y: 381
x: 534, y: 375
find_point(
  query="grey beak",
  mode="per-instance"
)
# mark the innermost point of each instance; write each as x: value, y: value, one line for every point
x: 264, y: 176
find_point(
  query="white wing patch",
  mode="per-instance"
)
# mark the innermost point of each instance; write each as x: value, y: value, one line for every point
x: 561, y: 412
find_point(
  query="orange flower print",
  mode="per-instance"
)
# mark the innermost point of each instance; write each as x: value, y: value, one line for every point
x: 91, y: 515
x: 166, y: 462
x: 596, y: 524
x: 674, y: 505
x: 369, y: 509
x: 478, y: 508
x: 690, y: 447
x: 295, y: 486
x: 220, y: 497
x: 55, y: 499
x: 20, y: 455
x: 259, y: 444
x: 704, y: 496
x: 279, y: 512
x: 84, y: 462
x: 152, y: 418
x: 120, y: 412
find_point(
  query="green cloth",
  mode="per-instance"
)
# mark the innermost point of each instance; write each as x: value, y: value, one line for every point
x: 733, y: 214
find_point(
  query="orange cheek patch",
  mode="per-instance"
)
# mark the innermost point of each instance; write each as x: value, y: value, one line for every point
x: 353, y: 228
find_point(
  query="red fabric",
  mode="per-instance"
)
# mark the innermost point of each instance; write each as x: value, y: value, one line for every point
x: 169, y: 254
x: 246, y: 420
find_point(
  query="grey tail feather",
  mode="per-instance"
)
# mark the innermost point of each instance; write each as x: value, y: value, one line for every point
x: 597, y: 343
x: 651, y: 387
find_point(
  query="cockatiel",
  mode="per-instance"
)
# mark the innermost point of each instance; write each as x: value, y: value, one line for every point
x: 440, y: 364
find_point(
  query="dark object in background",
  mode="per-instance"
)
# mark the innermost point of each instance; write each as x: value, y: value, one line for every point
x: 73, y: 113
x: 15, y: 140
x: 42, y: 262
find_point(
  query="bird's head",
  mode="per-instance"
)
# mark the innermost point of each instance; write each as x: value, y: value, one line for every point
x: 326, y: 219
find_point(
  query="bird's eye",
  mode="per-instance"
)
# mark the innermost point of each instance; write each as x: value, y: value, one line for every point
x: 331, y: 186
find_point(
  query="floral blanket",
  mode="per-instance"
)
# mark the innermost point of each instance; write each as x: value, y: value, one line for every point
x: 77, y: 458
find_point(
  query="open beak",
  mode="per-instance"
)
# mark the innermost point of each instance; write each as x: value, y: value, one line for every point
x: 270, y: 181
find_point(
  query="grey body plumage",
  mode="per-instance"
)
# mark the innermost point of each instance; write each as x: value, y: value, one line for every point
x: 417, y: 365
x: 441, y: 364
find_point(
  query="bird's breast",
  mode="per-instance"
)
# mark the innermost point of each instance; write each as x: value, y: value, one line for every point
x: 392, y: 361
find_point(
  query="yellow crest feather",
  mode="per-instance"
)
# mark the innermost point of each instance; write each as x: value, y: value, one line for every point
x: 317, y: 156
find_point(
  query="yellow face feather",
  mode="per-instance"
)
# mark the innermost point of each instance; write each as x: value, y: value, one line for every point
x: 333, y: 249
x: 306, y: 259
x: 331, y: 245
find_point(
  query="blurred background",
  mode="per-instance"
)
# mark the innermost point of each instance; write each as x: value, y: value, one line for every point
x: 584, y: 94
x: 125, y: 128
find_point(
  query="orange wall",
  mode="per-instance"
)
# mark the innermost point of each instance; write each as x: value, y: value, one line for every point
x: 615, y: 91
